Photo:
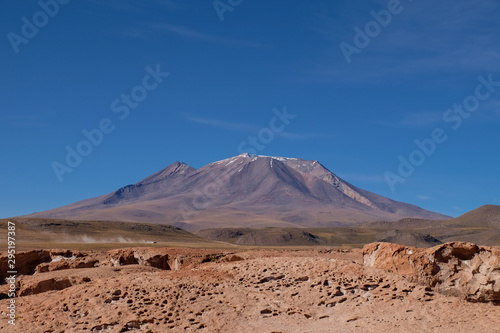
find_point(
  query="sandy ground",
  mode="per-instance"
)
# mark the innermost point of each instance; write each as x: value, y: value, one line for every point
x: 267, y: 291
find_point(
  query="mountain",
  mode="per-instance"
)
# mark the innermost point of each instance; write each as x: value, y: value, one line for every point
x: 245, y: 190
x: 479, y: 226
x: 338, y: 236
x: 484, y: 216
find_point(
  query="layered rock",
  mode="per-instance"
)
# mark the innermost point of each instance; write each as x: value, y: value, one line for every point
x: 37, y: 269
x: 25, y: 263
x: 457, y: 268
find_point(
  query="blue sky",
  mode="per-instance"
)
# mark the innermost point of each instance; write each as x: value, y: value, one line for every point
x: 75, y: 69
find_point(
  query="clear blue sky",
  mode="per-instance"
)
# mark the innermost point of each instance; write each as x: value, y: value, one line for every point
x: 226, y: 77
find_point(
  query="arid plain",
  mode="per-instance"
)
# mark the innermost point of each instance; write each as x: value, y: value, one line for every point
x: 222, y: 290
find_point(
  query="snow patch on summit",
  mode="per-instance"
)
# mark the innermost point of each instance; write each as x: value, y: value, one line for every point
x: 281, y: 159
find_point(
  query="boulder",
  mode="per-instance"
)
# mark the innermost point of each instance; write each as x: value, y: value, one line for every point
x: 25, y: 263
x: 154, y: 257
x: 457, y: 268
x: 66, y: 263
x: 122, y: 257
x: 44, y: 285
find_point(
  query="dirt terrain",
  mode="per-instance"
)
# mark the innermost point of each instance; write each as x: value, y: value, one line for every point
x: 193, y: 290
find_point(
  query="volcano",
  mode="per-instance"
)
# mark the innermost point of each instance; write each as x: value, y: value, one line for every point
x: 243, y: 191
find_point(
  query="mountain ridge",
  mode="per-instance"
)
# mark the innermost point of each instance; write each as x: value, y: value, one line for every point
x: 247, y: 189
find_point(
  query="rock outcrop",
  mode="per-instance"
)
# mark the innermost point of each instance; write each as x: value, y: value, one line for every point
x: 67, y: 261
x: 25, y: 263
x: 456, y: 269
x: 154, y: 257
x: 34, y: 267
x: 41, y: 286
x: 163, y: 258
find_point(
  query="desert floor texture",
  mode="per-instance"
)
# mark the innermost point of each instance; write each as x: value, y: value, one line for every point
x: 254, y: 291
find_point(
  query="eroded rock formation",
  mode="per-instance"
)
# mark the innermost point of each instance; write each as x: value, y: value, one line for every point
x: 457, y: 269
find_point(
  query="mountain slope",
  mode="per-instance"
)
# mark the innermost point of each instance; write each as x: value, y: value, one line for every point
x: 484, y: 216
x: 245, y: 190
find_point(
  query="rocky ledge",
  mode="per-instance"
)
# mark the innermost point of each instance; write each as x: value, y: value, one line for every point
x: 454, y: 269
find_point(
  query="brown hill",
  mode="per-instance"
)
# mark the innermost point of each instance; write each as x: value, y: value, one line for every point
x: 480, y: 226
x: 485, y: 216
x: 335, y: 236
x: 263, y: 237
x: 408, y: 238
x: 37, y: 233
x: 245, y: 190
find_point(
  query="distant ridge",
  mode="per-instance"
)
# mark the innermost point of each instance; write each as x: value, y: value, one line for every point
x: 243, y: 191
x: 484, y: 216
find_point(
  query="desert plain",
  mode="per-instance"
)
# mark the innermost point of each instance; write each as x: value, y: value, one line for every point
x: 454, y: 287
